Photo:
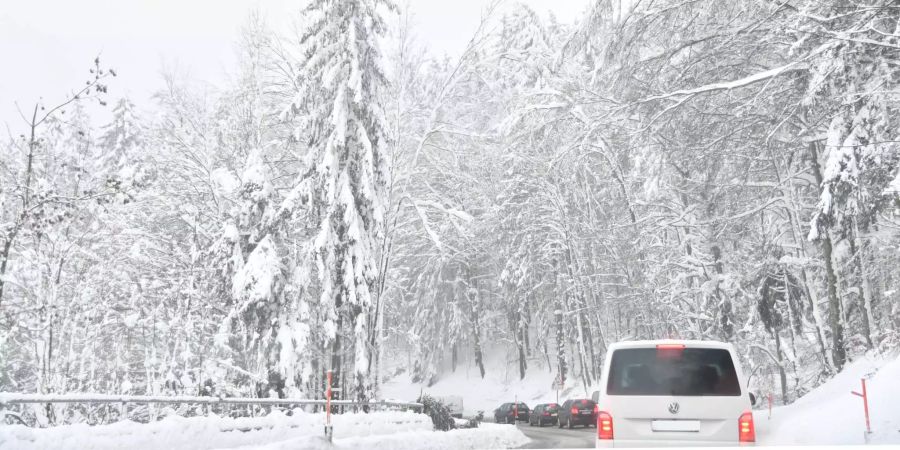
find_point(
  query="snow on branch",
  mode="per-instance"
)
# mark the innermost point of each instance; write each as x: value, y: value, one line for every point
x: 684, y: 94
x: 725, y: 86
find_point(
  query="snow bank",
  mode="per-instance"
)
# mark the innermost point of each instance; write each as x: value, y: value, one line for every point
x: 176, y: 432
x: 831, y: 415
x: 486, y: 436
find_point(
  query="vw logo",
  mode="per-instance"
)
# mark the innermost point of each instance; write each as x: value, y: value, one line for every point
x: 673, y: 407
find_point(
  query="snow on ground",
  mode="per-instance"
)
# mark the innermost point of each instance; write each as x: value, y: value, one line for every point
x: 488, y: 435
x: 831, y: 415
x: 176, y: 432
x: 275, y: 431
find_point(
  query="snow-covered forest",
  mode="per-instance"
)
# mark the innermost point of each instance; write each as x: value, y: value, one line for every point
x: 720, y: 170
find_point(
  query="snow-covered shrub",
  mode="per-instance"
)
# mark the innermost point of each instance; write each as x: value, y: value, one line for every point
x: 438, y: 411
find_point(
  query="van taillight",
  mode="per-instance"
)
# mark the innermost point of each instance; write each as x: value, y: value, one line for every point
x: 669, y: 351
x: 746, y: 430
x: 604, y: 425
x: 670, y: 346
x: 574, y: 410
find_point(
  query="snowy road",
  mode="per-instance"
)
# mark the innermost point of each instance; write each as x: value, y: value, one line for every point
x: 553, y: 437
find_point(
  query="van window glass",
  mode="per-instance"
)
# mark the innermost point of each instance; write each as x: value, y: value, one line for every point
x: 684, y: 372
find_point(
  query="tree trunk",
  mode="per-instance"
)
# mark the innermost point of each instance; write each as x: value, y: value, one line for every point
x: 838, y: 353
x: 336, y: 360
x: 517, y: 339
x: 561, y: 366
x: 473, y: 302
x: 800, y: 242
x: 453, y: 358
x: 724, y: 302
x: 4, y: 259
x: 781, y: 373
x: 526, y: 327
x: 868, y: 321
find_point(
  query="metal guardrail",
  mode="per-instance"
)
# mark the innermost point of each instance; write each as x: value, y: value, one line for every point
x: 9, y: 399
x: 14, y: 399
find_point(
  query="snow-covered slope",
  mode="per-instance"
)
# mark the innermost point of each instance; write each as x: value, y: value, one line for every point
x: 831, y: 415
x: 498, y: 386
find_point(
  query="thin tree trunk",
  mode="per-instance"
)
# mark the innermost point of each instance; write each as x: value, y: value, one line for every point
x: 726, y: 321
x: 561, y: 366
x: 4, y: 259
x: 473, y: 302
x: 337, y: 374
x: 453, y: 357
x: 781, y: 373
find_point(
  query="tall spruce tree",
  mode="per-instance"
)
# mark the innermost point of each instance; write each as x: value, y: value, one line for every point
x: 340, y: 117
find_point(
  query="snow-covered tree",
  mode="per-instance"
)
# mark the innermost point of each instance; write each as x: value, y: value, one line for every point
x: 347, y: 171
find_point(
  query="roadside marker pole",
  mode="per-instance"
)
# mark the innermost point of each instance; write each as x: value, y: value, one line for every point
x: 329, y: 432
x: 516, y: 410
x: 770, y: 405
x: 865, y: 397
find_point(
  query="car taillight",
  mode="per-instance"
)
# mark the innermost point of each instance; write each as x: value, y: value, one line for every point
x: 574, y: 410
x: 546, y: 413
x: 596, y: 409
x: 746, y: 430
x: 604, y: 425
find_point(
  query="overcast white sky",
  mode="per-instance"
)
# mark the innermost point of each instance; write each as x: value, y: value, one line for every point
x: 47, y: 46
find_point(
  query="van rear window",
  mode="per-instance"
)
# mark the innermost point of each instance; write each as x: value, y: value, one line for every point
x: 682, y: 372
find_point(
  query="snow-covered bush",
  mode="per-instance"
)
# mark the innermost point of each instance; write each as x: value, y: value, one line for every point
x: 439, y: 413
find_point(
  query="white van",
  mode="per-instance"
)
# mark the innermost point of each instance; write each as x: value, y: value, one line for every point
x: 673, y: 393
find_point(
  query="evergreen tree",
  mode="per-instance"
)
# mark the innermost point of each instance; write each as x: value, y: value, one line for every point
x: 347, y: 172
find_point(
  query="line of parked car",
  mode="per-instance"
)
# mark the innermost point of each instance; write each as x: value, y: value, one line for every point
x: 574, y: 412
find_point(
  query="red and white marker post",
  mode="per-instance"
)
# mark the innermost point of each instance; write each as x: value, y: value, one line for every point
x: 329, y: 432
x: 516, y: 411
x: 865, y: 397
x: 770, y: 406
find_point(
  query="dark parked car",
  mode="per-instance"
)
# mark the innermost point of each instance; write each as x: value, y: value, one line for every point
x: 510, y: 412
x: 578, y: 411
x: 546, y: 413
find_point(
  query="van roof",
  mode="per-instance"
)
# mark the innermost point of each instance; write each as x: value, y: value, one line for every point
x: 686, y: 343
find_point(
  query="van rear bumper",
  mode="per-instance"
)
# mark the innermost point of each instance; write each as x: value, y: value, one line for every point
x: 619, y: 443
